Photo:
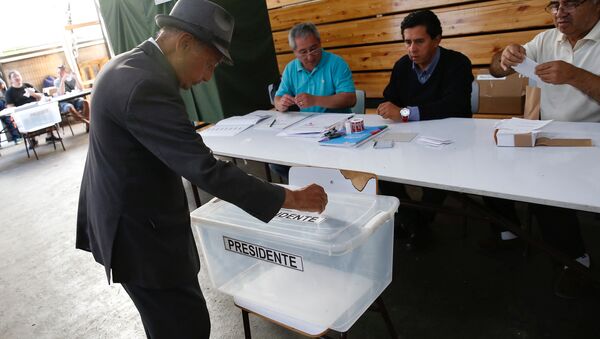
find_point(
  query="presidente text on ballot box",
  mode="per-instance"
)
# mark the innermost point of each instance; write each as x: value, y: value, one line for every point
x: 320, y: 271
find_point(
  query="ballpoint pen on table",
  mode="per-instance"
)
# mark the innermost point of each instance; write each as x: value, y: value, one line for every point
x: 272, y: 122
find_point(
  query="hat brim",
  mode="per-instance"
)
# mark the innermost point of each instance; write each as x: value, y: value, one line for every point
x: 163, y: 20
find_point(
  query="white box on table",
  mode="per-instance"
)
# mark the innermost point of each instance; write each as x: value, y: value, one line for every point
x: 323, y: 274
x: 35, y: 116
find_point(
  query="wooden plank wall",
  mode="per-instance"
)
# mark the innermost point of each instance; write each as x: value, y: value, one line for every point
x: 367, y: 33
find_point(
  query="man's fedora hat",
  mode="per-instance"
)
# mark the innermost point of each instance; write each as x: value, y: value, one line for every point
x: 205, y: 20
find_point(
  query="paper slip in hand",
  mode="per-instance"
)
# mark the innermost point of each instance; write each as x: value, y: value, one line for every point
x: 527, y: 68
x: 433, y: 142
x: 281, y: 120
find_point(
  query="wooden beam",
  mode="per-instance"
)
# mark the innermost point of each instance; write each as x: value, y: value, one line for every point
x: 323, y: 11
x: 280, y: 3
x: 477, y: 18
x: 81, y: 25
x: 479, y: 49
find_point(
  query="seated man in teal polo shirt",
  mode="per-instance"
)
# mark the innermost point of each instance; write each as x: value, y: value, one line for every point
x: 316, y: 81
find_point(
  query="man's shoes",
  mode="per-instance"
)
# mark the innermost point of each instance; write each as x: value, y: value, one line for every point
x: 18, y: 140
x: 52, y: 138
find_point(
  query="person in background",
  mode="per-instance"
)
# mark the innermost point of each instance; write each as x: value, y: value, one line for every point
x: 316, y: 81
x: 68, y: 82
x: 568, y: 58
x: 133, y: 214
x: 20, y: 93
x: 7, y: 120
x: 430, y: 82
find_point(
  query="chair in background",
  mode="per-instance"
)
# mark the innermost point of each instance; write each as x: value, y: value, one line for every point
x: 359, y: 107
x: 474, y: 96
x: 332, y: 180
x: 89, y: 70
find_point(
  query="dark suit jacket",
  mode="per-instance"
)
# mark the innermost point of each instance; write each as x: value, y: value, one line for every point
x: 133, y: 213
x: 447, y: 92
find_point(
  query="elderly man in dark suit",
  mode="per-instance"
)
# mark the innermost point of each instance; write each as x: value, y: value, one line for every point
x: 133, y: 213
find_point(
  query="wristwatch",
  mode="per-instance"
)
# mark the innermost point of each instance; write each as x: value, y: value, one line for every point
x: 404, y: 114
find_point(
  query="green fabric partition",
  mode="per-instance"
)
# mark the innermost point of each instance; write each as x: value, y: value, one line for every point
x: 243, y: 87
x: 234, y: 90
x: 129, y: 23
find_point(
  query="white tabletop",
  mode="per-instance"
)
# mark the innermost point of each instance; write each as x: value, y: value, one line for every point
x: 72, y: 95
x: 558, y: 176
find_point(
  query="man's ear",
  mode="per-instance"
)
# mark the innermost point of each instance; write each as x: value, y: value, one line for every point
x: 184, y: 42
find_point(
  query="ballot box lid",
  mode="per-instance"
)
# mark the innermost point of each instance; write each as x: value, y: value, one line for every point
x: 348, y: 220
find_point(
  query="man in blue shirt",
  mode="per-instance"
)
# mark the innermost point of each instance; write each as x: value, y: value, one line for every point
x: 316, y: 81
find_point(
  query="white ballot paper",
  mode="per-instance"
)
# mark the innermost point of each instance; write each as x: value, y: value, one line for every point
x: 527, y: 68
x: 518, y: 125
x: 433, y: 141
x: 280, y: 120
x: 234, y: 125
x: 316, y: 125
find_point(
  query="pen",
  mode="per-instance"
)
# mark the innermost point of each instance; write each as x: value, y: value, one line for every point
x: 272, y: 122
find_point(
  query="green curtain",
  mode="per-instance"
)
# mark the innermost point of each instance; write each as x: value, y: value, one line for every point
x: 235, y: 90
x: 243, y: 87
x: 129, y: 23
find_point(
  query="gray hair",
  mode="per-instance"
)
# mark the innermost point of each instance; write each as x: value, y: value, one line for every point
x: 302, y: 30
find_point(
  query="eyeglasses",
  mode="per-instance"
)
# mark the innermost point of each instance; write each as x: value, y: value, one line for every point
x: 312, y: 50
x: 567, y: 6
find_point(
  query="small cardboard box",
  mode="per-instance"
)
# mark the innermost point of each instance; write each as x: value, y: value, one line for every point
x: 501, y: 95
x: 506, y: 138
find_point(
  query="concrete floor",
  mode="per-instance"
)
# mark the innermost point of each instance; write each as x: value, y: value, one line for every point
x: 48, y: 289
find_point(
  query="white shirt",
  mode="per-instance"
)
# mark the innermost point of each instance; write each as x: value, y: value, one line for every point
x: 565, y: 102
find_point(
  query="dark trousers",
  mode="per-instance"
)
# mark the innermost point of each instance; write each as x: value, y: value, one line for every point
x: 171, y: 313
x: 559, y: 226
x: 412, y: 220
x: 560, y: 229
x: 504, y: 208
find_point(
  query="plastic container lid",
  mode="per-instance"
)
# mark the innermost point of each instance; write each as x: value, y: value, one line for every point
x: 348, y: 221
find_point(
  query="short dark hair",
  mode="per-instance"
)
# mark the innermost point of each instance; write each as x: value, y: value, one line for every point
x: 423, y: 18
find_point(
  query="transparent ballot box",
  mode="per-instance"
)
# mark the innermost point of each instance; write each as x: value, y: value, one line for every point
x: 35, y: 116
x: 308, y: 271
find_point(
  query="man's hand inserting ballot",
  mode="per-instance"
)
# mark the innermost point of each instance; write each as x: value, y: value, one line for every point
x: 311, y: 198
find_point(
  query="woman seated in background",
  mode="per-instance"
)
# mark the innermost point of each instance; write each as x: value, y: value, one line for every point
x: 19, y: 94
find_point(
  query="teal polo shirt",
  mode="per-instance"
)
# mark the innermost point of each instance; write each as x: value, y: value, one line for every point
x: 331, y: 76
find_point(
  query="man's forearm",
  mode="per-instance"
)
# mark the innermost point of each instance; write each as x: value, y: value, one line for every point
x: 588, y: 83
x: 340, y: 100
x: 496, y: 68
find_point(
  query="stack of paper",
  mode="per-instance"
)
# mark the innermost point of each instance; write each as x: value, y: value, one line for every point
x: 316, y: 125
x: 280, y: 120
x: 234, y: 125
x: 433, y: 141
x: 518, y: 125
x: 518, y: 132
x: 354, y: 139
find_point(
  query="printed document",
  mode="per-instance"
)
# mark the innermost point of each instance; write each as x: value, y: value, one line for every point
x: 316, y: 125
x: 234, y: 125
x: 279, y: 120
